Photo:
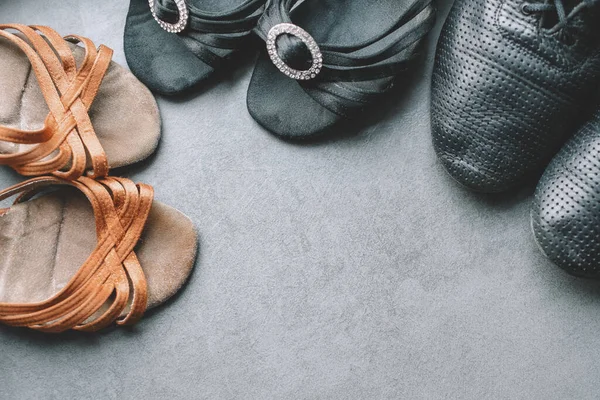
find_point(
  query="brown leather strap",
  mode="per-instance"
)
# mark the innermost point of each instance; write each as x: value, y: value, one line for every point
x: 111, y: 274
x: 67, y: 142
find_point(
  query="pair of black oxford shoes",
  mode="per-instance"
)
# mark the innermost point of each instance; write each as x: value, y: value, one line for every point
x: 322, y: 62
x: 515, y: 92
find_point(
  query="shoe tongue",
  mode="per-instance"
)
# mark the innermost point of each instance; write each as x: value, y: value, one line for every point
x: 583, y: 28
x: 570, y: 5
x: 551, y: 18
x: 582, y: 21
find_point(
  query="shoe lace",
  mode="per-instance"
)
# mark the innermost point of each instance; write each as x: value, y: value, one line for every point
x: 558, y: 9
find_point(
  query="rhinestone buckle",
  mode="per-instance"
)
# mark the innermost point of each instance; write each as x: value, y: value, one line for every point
x: 180, y: 24
x: 313, y: 47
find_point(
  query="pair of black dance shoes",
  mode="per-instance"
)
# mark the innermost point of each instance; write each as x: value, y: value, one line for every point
x: 515, y: 92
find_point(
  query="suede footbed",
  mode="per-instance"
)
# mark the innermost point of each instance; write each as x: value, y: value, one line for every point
x: 44, y: 242
x: 124, y: 113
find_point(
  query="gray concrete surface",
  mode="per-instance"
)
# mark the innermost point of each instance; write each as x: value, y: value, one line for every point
x: 350, y: 269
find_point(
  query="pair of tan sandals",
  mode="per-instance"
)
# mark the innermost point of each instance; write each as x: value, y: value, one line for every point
x: 68, y: 115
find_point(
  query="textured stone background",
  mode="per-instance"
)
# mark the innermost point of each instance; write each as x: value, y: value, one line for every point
x: 353, y: 268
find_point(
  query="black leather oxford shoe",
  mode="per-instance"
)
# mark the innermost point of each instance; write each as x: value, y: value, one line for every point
x: 510, y: 79
x: 566, y: 210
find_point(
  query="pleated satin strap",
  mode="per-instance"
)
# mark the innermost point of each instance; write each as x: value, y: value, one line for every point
x: 110, y: 286
x: 382, y: 56
x: 67, y: 144
x: 209, y: 32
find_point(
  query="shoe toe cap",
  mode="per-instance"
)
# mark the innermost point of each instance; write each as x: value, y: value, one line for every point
x: 476, y: 163
x: 566, y: 208
x: 566, y: 232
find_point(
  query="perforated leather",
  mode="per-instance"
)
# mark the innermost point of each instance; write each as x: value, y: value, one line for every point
x: 507, y: 89
x: 566, y: 209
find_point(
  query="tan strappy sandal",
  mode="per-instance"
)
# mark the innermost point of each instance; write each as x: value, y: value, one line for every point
x: 77, y: 113
x: 48, y: 281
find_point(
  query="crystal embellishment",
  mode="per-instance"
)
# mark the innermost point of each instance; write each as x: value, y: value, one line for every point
x: 180, y: 24
x: 313, y: 47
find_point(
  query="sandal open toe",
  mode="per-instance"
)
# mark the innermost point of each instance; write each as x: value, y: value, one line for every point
x: 175, y: 45
x: 67, y: 109
x: 326, y: 61
x: 61, y: 272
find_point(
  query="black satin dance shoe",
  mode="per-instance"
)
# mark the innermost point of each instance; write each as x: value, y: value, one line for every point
x: 326, y: 61
x: 175, y: 45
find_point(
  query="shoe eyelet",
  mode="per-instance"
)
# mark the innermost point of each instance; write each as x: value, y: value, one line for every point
x: 525, y: 9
